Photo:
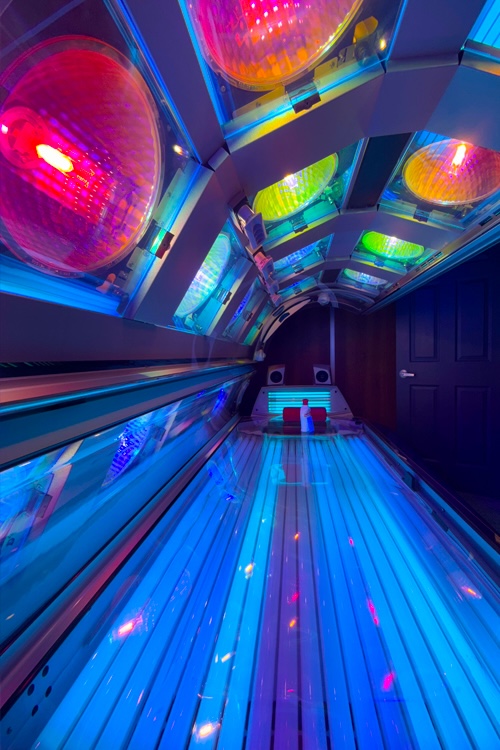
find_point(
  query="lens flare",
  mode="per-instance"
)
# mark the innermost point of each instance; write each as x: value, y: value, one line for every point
x: 459, y: 155
x: 54, y: 157
x: 249, y: 570
x: 388, y: 680
x: 373, y: 612
x: 257, y: 44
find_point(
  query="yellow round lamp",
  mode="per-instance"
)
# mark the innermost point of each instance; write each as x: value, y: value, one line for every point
x: 258, y: 44
x: 296, y: 191
x: 452, y: 173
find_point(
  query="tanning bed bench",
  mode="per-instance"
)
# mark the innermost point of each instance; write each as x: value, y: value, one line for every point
x: 291, y: 415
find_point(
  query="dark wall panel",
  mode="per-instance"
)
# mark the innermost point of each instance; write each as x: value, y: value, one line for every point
x: 472, y: 321
x: 423, y: 323
x: 424, y: 410
x: 472, y: 409
x: 365, y: 361
x: 302, y: 341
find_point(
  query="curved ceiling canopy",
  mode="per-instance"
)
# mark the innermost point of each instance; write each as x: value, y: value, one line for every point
x: 390, y: 247
x: 208, y: 277
x: 296, y: 191
x: 452, y: 172
x: 257, y: 44
x: 82, y: 164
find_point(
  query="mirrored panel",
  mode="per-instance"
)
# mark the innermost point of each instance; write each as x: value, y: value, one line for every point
x: 299, y: 287
x: 247, y: 309
x: 264, y: 58
x: 445, y: 182
x: 302, y: 260
x: 216, y: 281
x: 60, y: 509
x: 93, y: 164
x: 307, y: 197
x: 254, y: 331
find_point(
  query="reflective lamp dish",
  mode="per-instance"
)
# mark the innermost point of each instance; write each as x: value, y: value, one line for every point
x: 452, y: 173
x: 80, y: 156
x: 208, y: 277
x: 391, y: 247
x: 363, y: 278
x: 296, y: 191
x: 258, y: 44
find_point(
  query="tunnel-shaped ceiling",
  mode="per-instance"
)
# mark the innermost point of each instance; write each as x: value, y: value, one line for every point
x: 278, y: 154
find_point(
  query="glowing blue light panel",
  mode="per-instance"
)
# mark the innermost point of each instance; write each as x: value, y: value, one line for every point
x: 487, y: 27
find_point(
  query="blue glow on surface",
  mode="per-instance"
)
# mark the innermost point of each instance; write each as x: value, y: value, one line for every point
x: 23, y: 281
x: 221, y: 400
x: 486, y: 30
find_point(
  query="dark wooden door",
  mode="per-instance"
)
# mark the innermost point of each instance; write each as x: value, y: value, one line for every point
x: 448, y: 336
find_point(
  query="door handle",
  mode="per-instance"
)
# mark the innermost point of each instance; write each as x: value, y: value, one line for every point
x: 405, y: 374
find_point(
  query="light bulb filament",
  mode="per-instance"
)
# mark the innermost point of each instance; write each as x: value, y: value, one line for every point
x: 459, y: 155
x: 54, y: 157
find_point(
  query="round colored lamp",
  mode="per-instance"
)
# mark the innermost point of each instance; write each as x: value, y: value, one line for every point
x: 391, y: 247
x: 363, y: 278
x: 258, y: 44
x: 452, y: 173
x: 208, y: 277
x: 80, y: 156
x: 296, y: 191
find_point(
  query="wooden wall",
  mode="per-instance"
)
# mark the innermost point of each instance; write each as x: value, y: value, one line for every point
x: 302, y: 341
x: 365, y: 364
x: 365, y: 358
